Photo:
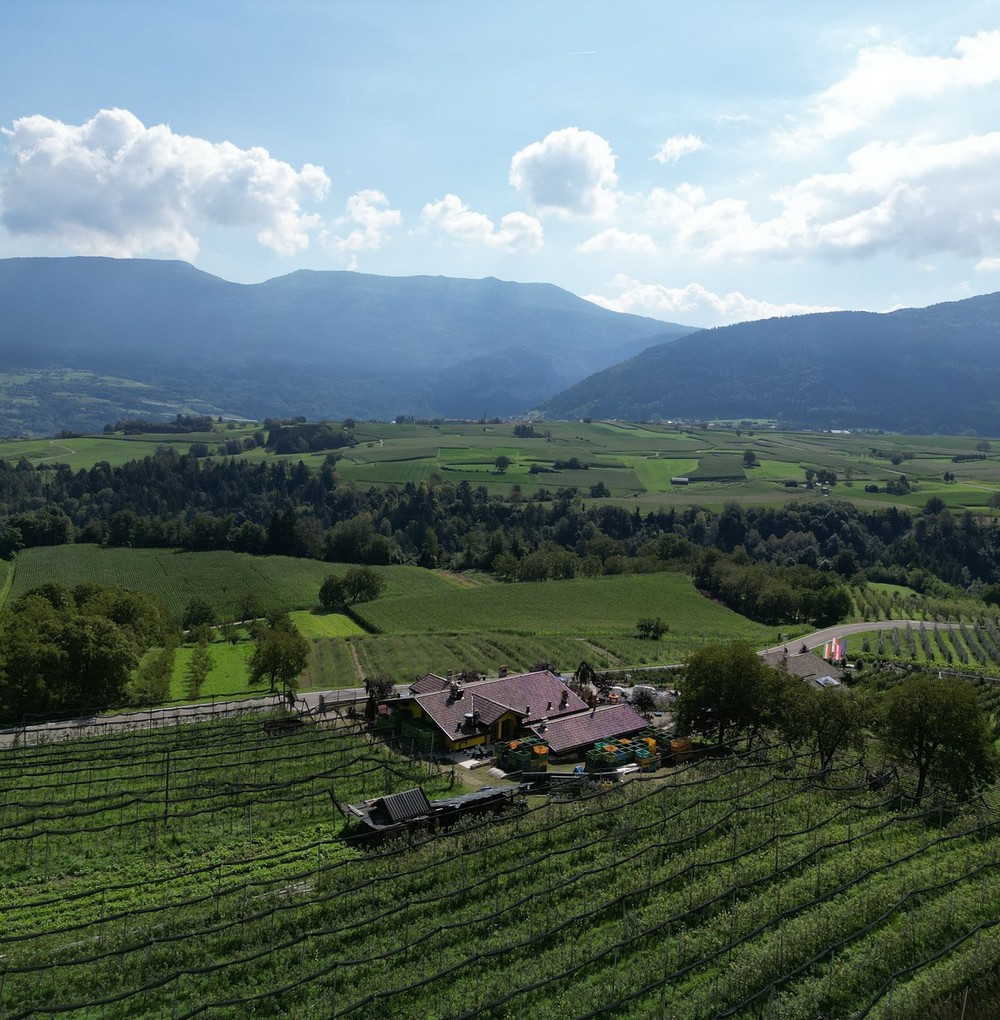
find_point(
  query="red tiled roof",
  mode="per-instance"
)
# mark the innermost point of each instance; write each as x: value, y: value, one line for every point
x: 529, y: 695
x: 427, y: 683
x: 450, y: 713
x: 572, y: 731
x: 532, y: 695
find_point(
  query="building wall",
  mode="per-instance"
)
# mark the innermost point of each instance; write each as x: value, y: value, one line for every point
x: 503, y: 729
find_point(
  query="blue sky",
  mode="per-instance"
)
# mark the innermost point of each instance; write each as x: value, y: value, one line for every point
x: 701, y: 162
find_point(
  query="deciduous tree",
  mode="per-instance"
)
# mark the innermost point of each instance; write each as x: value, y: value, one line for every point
x: 937, y: 726
x: 651, y: 628
x: 199, y: 611
x: 828, y: 721
x: 198, y: 667
x: 280, y: 655
x: 378, y: 688
x: 727, y: 689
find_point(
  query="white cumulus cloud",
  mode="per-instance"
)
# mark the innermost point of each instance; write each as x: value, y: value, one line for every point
x: 674, y: 148
x: 915, y: 197
x: 367, y: 220
x: 693, y: 303
x: 884, y: 76
x: 569, y: 173
x: 517, y: 231
x: 614, y: 239
x: 988, y: 265
x: 113, y: 186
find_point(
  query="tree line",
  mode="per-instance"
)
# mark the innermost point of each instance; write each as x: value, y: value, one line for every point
x: 182, y: 501
x: 932, y: 727
x: 93, y: 647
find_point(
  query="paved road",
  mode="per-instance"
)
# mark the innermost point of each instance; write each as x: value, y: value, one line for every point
x: 820, y: 637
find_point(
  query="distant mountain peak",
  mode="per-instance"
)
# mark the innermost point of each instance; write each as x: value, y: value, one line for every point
x: 324, y: 343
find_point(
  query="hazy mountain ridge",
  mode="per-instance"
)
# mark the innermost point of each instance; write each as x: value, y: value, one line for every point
x: 918, y: 370
x: 313, y: 343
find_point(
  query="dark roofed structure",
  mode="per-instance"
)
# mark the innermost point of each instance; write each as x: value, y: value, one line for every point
x: 393, y: 810
x: 401, y: 807
x: 572, y: 732
x: 533, y: 695
x: 465, y: 715
x: 398, y: 812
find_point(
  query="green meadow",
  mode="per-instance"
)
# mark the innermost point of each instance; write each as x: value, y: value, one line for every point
x: 223, y: 578
x: 425, y: 620
x: 227, y: 676
x: 561, y: 622
x: 634, y: 462
x: 433, y: 620
x: 606, y: 605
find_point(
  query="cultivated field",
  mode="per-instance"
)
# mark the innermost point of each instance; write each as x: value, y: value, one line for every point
x: 425, y: 621
x: 223, y: 578
x: 200, y: 871
x: 635, y: 462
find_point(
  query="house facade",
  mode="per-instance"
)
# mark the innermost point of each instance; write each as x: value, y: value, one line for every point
x: 463, y: 716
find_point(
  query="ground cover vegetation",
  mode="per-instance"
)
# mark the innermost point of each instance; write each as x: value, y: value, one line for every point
x: 260, y: 529
x: 203, y: 869
x: 312, y: 508
x: 823, y: 856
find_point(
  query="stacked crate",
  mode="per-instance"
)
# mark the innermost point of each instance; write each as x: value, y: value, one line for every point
x: 528, y: 755
x: 608, y: 755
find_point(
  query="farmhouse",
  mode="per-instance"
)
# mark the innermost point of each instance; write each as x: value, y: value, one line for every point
x: 578, y: 731
x: 463, y: 716
x: 807, y: 665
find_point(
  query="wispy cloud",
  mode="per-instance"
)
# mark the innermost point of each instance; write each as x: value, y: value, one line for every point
x: 915, y: 197
x: 693, y: 303
x: 674, y: 148
x: 883, y: 76
x: 614, y: 239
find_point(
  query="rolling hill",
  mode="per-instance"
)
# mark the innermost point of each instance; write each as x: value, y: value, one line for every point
x: 160, y: 336
x: 917, y: 370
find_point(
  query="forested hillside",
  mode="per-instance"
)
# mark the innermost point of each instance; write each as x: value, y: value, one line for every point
x: 318, y: 343
x: 917, y: 370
